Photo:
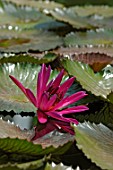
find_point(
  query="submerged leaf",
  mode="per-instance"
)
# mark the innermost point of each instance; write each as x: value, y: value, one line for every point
x: 96, y: 141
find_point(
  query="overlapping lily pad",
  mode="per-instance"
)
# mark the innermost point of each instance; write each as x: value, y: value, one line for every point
x: 97, y: 143
x: 11, y: 97
x: 89, y: 38
x: 85, y: 11
x: 100, y: 84
x: 71, y: 18
x: 23, y: 41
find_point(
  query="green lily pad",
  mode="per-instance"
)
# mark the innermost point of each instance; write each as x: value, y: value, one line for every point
x: 100, y: 84
x: 96, y: 141
x: 23, y: 41
x: 53, y: 166
x: 85, y: 11
x: 89, y: 38
x: 70, y: 17
x: 11, y: 97
x: 36, y: 58
x: 33, y: 165
x: 38, y: 4
x: 103, y: 112
x: 16, y: 17
x: 8, y: 129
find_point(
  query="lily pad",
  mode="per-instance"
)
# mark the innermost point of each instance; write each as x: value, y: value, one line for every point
x: 97, y: 61
x: 96, y: 142
x: 89, y: 38
x: 23, y: 41
x: 16, y: 17
x: 100, y: 84
x: 47, y: 5
x: 70, y: 17
x: 69, y: 51
x: 11, y: 97
x: 32, y: 165
x: 36, y: 58
x: 85, y: 11
x: 8, y: 129
x: 53, y: 166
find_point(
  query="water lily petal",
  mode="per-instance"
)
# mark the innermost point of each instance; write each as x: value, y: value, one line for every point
x: 50, y: 104
x: 43, y: 101
x: 65, y: 86
x: 63, y: 126
x: 42, y: 118
x: 70, y: 99
x: 18, y: 83
x: 49, y: 127
x: 57, y: 116
x: 42, y: 80
x: 58, y: 80
x: 31, y: 97
x: 73, y: 109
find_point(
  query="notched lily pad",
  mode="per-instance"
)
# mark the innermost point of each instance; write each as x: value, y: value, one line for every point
x: 97, y: 61
x: 23, y: 41
x: 55, y: 139
x: 10, y: 130
x: 100, y: 84
x: 96, y: 141
x: 89, y: 38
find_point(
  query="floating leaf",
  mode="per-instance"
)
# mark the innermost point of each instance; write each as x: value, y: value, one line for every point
x: 53, y: 166
x: 89, y: 38
x: 83, y: 11
x: 100, y: 84
x: 103, y: 112
x: 11, y: 97
x: 10, y: 130
x: 83, y: 50
x: 36, y: 58
x: 96, y: 141
x: 26, y: 166
x: 55, y: 139
x: 23, y: 41
x: 47, y: 5
x: 17, y: 17
x: 70, y: 17
x: 97, y: 61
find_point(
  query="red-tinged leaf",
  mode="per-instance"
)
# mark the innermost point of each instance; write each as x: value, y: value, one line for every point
x: 96, y: 60
x: 55, y: 139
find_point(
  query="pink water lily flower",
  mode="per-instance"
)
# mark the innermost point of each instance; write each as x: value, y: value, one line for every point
x: 51, y: 101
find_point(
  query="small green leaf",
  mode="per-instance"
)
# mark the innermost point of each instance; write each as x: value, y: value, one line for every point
x: 100, y: 84
x: 96, y: 141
